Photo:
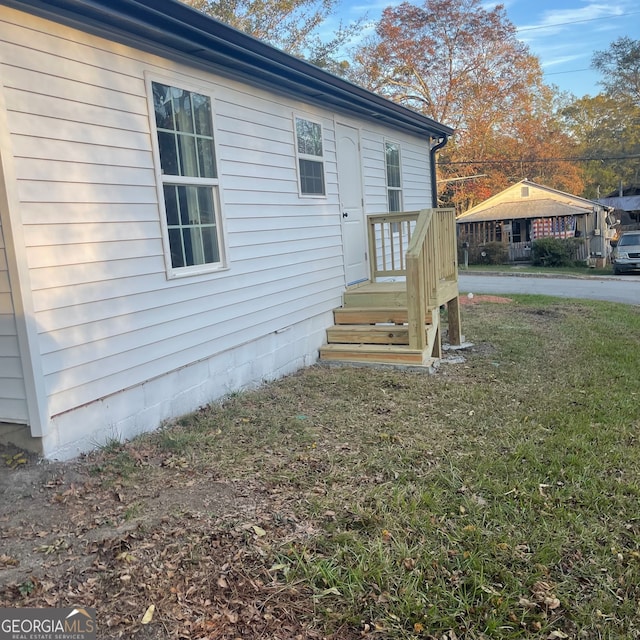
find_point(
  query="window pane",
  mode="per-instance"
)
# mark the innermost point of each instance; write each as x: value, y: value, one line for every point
x: 393, y: 176
x: 183, y: 111
x: 183, y: 205
x: 193, y: 236
x: 202, y: 114
x: 188, y: 157
x: 309, y: 136
x: 207, y: 158
x: 193, y: 246
x: 187, y: 114
x: 311, y: 177
x: 188, y: 247
x: 392, y: 154
x: 210, y: 242
x: 163, y: 106
x: 205, y: 206
x: 171, y: 204
x: 395, y: 200
x: 175, y: 242
x: 168, y: 153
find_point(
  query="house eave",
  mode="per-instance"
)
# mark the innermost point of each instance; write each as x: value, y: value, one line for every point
x: 175, y: 30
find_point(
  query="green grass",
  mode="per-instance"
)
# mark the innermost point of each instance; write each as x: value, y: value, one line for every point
x: 497, y: 499
x: 528, y: 268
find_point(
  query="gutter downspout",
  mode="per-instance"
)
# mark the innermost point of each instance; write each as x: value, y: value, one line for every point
x: 434, y: 181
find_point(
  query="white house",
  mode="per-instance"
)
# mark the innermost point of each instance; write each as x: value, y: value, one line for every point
x: 181, y: 208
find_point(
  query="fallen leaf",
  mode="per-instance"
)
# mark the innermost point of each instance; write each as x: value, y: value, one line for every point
x: 333, y: 591
x: 259, y: 531
x: 148, y: 616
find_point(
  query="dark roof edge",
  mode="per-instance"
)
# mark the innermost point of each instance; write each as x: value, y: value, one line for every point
x: 173, y: 29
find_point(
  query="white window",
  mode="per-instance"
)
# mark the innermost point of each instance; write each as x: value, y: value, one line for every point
x: 185, y: 144
x: 310, y: 157
x: 394, y: 181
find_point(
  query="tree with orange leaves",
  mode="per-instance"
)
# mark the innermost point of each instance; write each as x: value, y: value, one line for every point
x: 462, y: 65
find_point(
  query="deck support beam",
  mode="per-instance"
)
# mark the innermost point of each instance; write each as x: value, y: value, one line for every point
x: 453, y: 314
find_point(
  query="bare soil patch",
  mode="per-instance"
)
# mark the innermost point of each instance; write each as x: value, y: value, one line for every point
x: 194, y: 546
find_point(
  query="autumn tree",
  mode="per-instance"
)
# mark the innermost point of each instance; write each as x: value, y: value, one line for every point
x: 290, y: 25
x: 462, y: 64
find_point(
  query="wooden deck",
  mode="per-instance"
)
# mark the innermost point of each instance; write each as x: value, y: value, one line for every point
x: 398, y: 322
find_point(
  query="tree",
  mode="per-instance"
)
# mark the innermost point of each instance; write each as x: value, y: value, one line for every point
x: 290, y: 25
x: 462, y: 65
x: 608, y: 129
x: 620, y: 67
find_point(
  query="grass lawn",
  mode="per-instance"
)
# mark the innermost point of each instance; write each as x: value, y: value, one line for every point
x: 498, y: 498
x: 551, y: 271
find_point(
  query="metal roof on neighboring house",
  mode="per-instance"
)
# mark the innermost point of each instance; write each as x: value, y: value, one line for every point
x: 624, y: 203
x: 175, y: 30
x: 539, y: 208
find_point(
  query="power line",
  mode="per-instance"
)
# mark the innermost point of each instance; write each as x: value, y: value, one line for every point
x: 562, y: 24
x: 540, y: 160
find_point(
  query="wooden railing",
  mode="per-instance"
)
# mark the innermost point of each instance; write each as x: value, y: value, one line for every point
x: 389, y: 238
x: 420, y: 245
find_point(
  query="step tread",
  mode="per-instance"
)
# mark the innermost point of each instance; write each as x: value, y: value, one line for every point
x: 375, y: 354
x: 371, y: 348
x: 372, y: 315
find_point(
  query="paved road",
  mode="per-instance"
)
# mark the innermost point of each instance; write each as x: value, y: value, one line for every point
x: 624, y: 289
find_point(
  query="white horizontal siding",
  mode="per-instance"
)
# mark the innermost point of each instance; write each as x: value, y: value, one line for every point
x: 374, y: 172
x: 13, y: 399
x: 107, y: 316
x: 415, y: 167
x: 416, y: 181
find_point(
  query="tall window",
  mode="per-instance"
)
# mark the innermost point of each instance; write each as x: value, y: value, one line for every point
x: 394, y: 183
x: 184, y: 126
x: 310, y: 157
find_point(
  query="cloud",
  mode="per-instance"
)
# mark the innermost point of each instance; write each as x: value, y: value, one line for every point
x: 556, y: 21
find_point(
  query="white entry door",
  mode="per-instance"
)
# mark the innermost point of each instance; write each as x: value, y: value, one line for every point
x: 354, y: 232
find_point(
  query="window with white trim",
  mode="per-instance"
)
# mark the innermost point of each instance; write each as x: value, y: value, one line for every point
x: 310, y: 157
x: 184, y: 128
x: 394, y: 181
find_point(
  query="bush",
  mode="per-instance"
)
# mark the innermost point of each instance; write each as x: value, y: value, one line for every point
x: 489, y: 253
x: 554, y: 252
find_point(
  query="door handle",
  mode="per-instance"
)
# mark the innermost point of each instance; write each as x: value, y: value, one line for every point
x: 345, y: 214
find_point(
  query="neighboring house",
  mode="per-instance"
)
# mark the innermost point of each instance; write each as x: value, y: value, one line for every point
x: 626, y: 204
x: 181, y: 209
x: 527, y: 211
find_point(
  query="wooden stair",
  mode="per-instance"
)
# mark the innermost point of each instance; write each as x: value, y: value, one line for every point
x: 371, y: 327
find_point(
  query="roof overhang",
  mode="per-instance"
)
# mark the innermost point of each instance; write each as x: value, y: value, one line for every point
x: 174, y: 30
x: 544, y: 208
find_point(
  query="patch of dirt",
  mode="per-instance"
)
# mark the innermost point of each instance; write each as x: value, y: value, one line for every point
x: 196, y: 547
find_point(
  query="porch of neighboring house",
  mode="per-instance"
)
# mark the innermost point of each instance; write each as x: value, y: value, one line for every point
x: 518, y: 234
x: 394, y: 317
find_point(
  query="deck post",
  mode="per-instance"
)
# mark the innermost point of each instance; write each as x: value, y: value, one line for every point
x: 416, y: 305
x: 453, y: 314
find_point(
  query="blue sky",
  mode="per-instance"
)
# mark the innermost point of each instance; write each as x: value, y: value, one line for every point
x: 562, y: 33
